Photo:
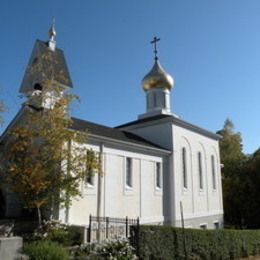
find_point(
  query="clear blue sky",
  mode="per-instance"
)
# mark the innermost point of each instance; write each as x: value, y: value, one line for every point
x: 212, y: 48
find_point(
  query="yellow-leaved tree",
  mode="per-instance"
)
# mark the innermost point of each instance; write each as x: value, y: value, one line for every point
x: 44, y: 158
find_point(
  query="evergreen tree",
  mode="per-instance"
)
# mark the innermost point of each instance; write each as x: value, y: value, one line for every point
x: 233, y: 159
x: 249, y: 187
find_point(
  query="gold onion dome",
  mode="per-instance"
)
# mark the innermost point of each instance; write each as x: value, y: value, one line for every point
x: 157, y: 78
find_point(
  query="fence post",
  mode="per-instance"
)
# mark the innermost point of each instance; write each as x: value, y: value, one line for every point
x: 89, y: 228
x: 138, y: 237
x: 126, y: 227
x: 107, y: 223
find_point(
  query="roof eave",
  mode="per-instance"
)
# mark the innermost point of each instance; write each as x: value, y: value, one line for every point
x: 143, y: 147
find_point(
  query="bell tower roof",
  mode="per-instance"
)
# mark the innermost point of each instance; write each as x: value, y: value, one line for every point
x: 47, y: 63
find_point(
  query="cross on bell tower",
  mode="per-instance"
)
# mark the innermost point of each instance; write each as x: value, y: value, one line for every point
x: 154, y: 41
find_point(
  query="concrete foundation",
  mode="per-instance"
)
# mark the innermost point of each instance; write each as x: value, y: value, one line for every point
x: 208, y: 222
x: 10, y: 247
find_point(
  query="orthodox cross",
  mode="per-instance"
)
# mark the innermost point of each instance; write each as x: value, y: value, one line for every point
x: 154, y: 41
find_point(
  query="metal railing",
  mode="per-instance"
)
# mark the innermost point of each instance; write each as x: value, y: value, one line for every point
x: 106, y: 228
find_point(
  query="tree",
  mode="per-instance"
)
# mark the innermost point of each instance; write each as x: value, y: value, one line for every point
x: 233, y: 159
x: 231, y: 153
x: 45, y: 160
x: 249, y: 188
x: 241, y: 180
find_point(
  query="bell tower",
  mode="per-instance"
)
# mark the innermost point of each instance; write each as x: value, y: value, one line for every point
x: 47, y: 74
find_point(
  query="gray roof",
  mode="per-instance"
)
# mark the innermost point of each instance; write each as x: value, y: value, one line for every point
x: 111, y: 133
x: 45, y: 64
x: 174, y: 120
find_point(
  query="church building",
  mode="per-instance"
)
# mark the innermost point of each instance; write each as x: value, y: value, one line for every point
x: 153, y: 167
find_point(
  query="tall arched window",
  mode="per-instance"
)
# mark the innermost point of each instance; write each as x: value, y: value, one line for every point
x: 213, y: 169
x: 154, y: 99
x: 200, y: 171
x: 184, y: 167
x: 129, y: 172
x: 158, y: 175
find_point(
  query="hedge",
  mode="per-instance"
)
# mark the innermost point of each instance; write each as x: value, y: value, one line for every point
x: 164, y: 242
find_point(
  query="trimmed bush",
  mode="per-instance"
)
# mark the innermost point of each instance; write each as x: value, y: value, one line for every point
x: 45, y: 250
x: 164, y: 242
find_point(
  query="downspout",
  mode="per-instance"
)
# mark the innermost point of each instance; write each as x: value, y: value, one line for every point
x: 99, y: 187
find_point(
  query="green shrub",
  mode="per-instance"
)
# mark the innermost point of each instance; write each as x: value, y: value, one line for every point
x: 45, y: 250
x: 56, y: 231
x: 164, y: 242
x: 82, y: 251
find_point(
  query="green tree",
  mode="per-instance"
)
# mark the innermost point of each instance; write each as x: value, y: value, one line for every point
x: 231, y: 153
x: 233, y: 159
x: 241, y: 180
x: 249, y: 188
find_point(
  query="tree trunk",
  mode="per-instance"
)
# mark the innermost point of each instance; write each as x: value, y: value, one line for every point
x: 39, y: 216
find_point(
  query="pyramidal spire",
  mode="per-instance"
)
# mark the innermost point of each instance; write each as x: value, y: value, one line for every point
x: 52, y: 35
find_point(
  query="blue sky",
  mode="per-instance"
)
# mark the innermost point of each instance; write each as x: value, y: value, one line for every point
x: 212, y: 49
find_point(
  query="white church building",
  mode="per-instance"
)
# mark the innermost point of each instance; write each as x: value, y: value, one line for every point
x: 151, y: 166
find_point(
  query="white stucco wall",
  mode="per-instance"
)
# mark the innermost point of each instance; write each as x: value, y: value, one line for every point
x: 196, y: 202
x: 200, y: 206
x: 143, y: 200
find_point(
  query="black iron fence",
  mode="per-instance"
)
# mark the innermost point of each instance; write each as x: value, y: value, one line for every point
x: 106, y: 228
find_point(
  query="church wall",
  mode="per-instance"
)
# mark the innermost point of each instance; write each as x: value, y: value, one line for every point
x: 197, y: 202
x: 120, y: 200
x: 161, y: 134
x: 142, y: 200
x: 151, y: 197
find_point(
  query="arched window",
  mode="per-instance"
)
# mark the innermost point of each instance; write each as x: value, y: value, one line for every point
x: 184, y: 167
x: 158, y: 175
x: 200, y: 171
x: 148, y: 102
x: 129, y: 172
x: 90, y: 168
x: 213, y: 170
x: 154, y: 100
